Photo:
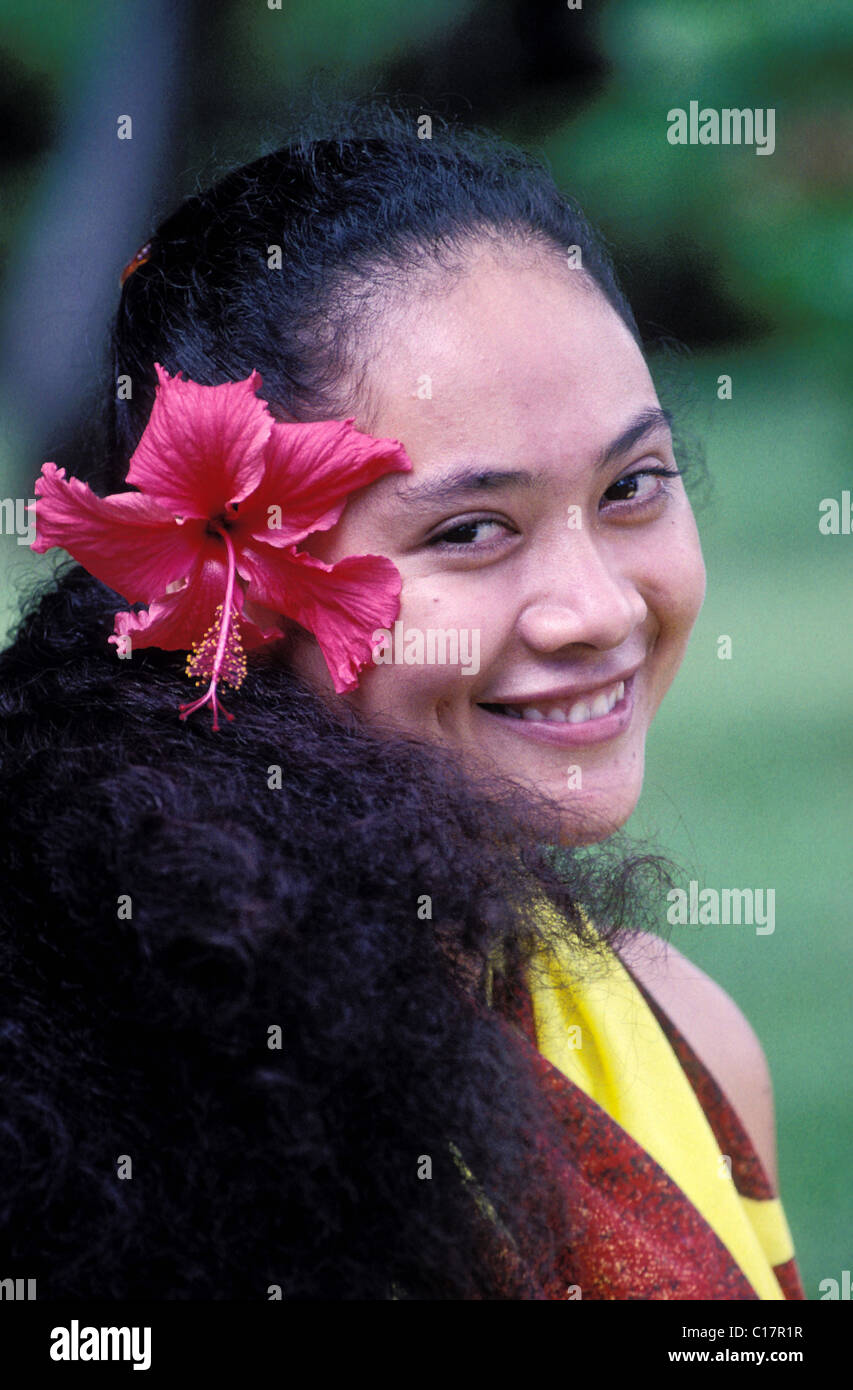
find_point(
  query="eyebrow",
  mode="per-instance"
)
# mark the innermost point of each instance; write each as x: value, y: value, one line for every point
x: 645, y: 423
x: 469, y: 479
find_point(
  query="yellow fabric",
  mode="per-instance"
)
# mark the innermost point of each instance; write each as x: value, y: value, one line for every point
x: 769, y: 1223
x: 622, y: 1059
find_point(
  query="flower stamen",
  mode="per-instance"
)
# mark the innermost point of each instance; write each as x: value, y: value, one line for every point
x: 219, y: 656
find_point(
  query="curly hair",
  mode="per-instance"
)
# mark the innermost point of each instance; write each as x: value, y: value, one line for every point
x: 168, y: 906
x: 249, y: 1035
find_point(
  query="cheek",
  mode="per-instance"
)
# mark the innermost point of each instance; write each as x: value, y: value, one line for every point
x: 689, y: 579
x: 437, y: 610
x: 406, y: 693
x: 675, y: 589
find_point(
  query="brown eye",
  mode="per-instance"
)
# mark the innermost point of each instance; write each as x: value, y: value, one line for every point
x: 462, y: 535
x: 626, y: 488
x: 629, y: 489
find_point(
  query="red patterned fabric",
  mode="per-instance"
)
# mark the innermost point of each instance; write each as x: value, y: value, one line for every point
x: 748, y: 1174
x: 639, y: 1235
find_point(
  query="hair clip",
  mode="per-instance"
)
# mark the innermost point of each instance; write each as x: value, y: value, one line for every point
x: 142, y: 255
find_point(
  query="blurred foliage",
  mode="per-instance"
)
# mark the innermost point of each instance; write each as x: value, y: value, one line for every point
x: 775, y: 231
x: 48, y: 37
x: 336, y: 33
x: 718, y: 243
x: 750, y: 762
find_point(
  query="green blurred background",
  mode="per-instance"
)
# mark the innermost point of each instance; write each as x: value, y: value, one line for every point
x: 736, y: 264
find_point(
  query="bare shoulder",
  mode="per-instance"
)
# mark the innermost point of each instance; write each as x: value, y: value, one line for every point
x: 717, y: 1031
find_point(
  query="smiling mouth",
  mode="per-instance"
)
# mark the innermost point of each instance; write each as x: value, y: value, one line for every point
x: 580, y: 711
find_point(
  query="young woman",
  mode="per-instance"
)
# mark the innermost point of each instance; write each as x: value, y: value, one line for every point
x: 319, y: 997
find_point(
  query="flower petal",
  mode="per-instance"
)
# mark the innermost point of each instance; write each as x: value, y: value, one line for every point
x: 259, y: 625
x: 176, y: 620
x: 310, y: 471
x: 203, y: 445
x: 342, y: 604
x: 126, y: 540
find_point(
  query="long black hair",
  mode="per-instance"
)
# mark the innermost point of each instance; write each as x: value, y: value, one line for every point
x: 250, y: 1034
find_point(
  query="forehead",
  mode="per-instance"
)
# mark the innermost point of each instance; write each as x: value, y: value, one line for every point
x: 518, y: 349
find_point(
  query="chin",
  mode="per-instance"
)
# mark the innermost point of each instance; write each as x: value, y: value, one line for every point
x: 575, y: 837
x: 592, y: 817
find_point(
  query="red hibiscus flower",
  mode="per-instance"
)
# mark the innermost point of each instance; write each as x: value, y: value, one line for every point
x: 209, y: 540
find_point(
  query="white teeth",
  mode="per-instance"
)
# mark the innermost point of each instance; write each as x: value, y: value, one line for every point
x: 578, y: 713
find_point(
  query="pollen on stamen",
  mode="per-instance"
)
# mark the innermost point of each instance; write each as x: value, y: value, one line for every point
x: 201, y: 661
x: 219, y: 656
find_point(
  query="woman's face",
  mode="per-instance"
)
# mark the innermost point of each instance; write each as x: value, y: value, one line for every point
x: 536, y: 531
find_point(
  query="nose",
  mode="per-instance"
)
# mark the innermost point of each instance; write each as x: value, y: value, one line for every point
x: 582, y: 596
